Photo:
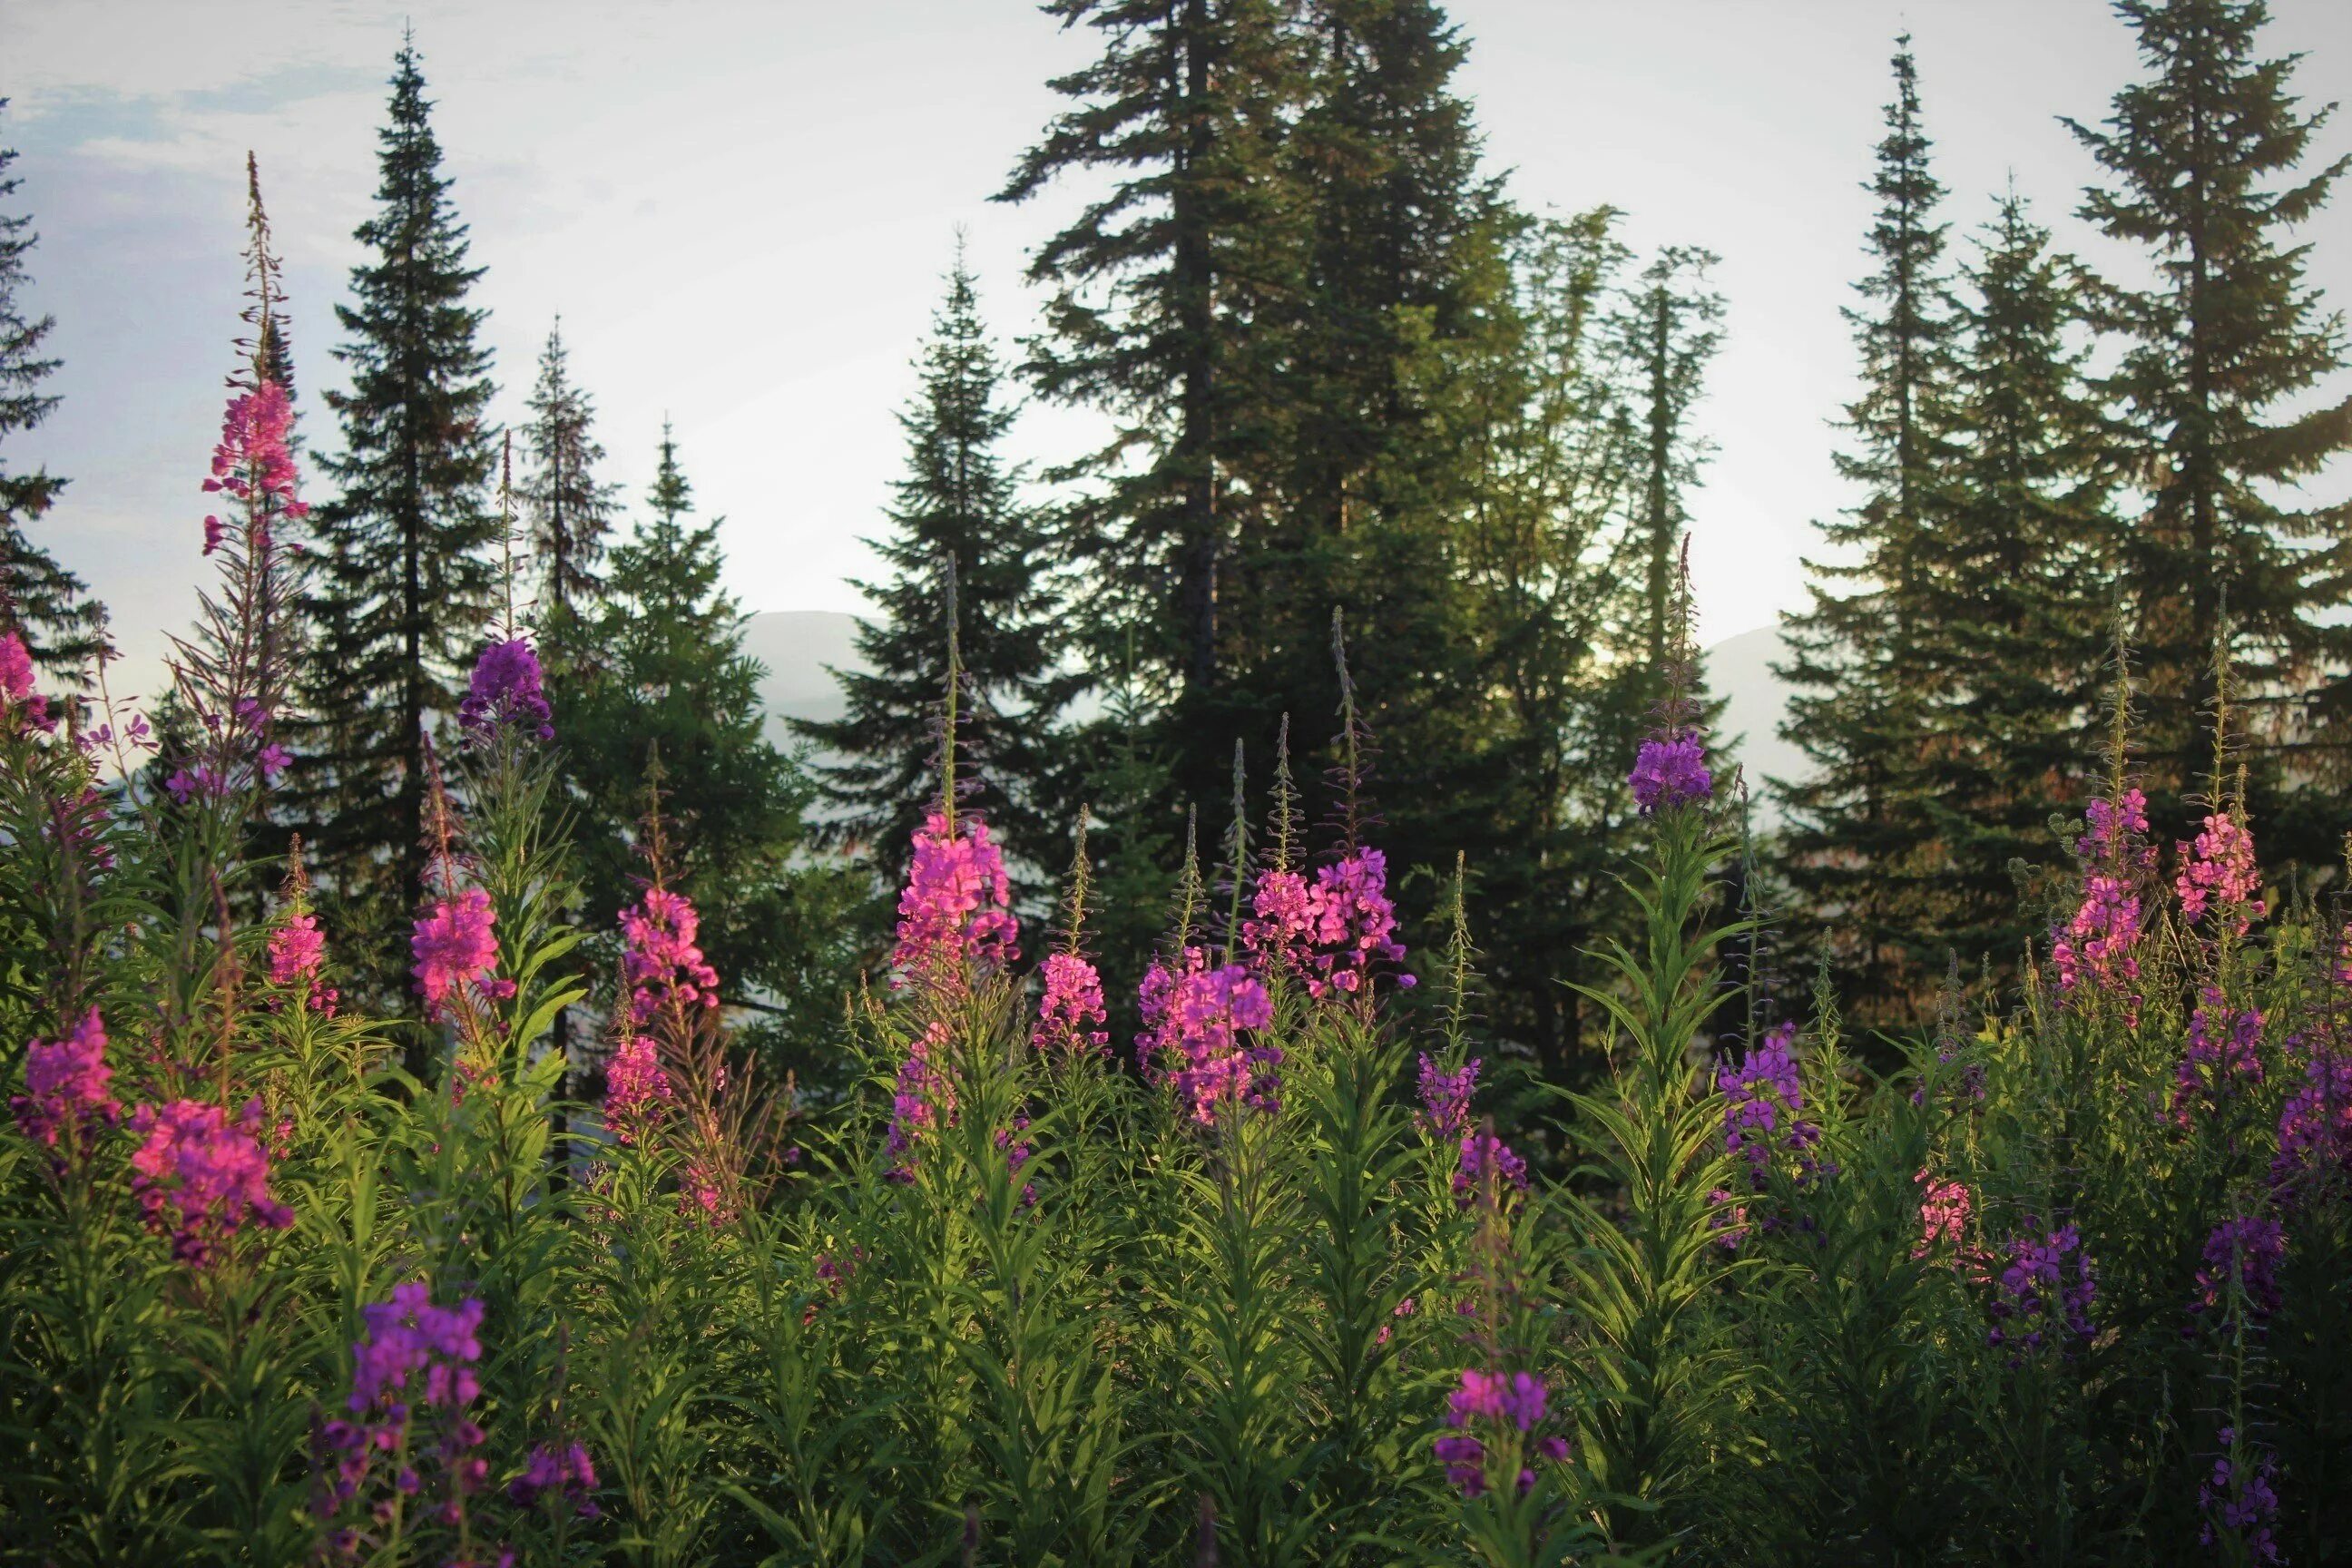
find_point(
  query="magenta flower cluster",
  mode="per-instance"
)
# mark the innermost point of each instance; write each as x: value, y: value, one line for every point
x: 568, y: 1475
x: 413, y: 1356
x: 636, y: 1088
x: 1670, y: 770
x: 253, y: 461
x: 508, y: 693
x: 2099, y: 943
x: 1499, y: 1404
x: 1445, y: 1098
x: 2217, y: 875
x: 1070, y: 1015
x: 2048, y: 1287
x: 203, y: 1178
x: 1332, y: 933
x: 2314, y: 1128
x: 2244, y: 1250
x: 1193, y: 1021
x: 16, y: 682
x: 454, y: 947
x: 1485, y: 1160
x: 1944, y: 1210
x: 64, y: 1086
x: 659, y: 958
x: 2243, y: 1500
x: 924, y: 1093
x: 955, y: 917
x: 2223, y: 1059
x: 1762, y: 1098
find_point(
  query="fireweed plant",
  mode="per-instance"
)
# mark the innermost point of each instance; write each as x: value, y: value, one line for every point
x: 1267, y: 1280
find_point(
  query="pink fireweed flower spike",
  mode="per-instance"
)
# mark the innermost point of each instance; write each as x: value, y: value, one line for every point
x: 567, y: 1475
x: 1762, y: 1097
x: 636, y: 1089
x: 2223, y: 1060
x: 2099, y: 944
x: 1669, y: 771
x: 455, y: 947
x: 17, y: 693
x: 2218, y: 878
x: 1070, y: 1014
x: 506, y: 693
x: 1445, y: 1098
x: 659, y: 958
x: 65, y: 1084
x: 2241, y: 1500
x: 2244, y: 1250
x: 1499, y: 1405
x: 1944, y: 1210
x: 2315, y: 1130
x: 414, y: 1359
x: 1192, y: 1038
x: 2046, y: 1292
x: 253, y: 461
x: 202, y: 1177
x: 955, y: 915
x: 1483, y: 1158
x: 1333, y: 933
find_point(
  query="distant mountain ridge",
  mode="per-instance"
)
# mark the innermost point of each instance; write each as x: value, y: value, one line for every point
x: 798, y: 647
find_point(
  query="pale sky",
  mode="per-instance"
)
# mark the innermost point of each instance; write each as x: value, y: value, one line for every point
x: 742, y: 210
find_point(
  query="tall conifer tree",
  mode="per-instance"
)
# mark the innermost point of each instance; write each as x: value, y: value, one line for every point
x: 1857, y: 825
x: 401, y: 584
x: 956, y: 507
x: 2205, y: 163
x: 670, y: 696
x: 1401, y: 285
x: 570, y: 511
x: 1667, y: 329
x: 1154, y: 291
x: 2011, y: 601
x: 43, y: 603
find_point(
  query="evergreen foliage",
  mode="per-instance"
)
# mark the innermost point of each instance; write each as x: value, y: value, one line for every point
x: 1858, y: 823
x: 962, y: 542
x: 1156, y: 293
x: 401, y: 587
x: 46, y: 604
x: 570, y: 511
x: 671, y: 703
x: 2205, y: 162
x: 2013, y: 617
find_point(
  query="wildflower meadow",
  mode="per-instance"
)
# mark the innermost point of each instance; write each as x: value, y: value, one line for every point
x: 286, y: 1283
x: 1271, y: 1027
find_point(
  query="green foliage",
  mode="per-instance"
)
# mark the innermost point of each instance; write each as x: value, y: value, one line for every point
x: 963, y: 543
x: 43, y: 602
x: 401, y: 587
x: 662, y: 695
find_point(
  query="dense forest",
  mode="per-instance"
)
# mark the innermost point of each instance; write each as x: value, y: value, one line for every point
x: 493, y: 1003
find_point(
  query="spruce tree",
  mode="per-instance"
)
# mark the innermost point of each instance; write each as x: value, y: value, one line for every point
x: 1667, y: 329
x: 956, y: 515
x: 42, y: 602
x: 1401, y: 284
x: 1857, y: 826
x: 401, y: 587
x: 2220, y: 353
x: 671, y: 697
x: 2011, y: 601
x: 570, y: 511
x: 1154, y: 291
